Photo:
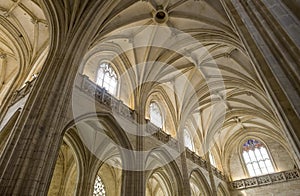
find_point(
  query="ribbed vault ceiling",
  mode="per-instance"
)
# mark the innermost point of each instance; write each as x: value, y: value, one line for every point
x: 194, y: 61
x: 204, y: 71
x: 24, y: 38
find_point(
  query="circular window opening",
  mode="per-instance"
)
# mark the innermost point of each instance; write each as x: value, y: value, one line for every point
x: 161, y: 16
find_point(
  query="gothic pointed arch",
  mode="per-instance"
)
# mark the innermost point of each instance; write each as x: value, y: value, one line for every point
x: 232, y: 160
x: 226, y: 70
x: 199, y: 184
x: 163, y: 175
x: 257, y: 158
x: 66, y: 174
x: 99, y: 139
x: 161, y: 107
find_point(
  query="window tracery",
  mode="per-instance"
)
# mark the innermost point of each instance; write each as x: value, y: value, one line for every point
x: 107, y: 78
x: 256, y: 158
x: 99, y: 189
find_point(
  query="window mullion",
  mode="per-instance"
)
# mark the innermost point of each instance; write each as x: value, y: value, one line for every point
x: 107, y: 78
x: 103, y: 78
x: 254, y: 152
x: 251, y: 163
x: 264, y: 160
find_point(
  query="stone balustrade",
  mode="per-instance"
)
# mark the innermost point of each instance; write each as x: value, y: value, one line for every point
x: 218, y: 173
x: 103, y: 97
x: 204, y: 164
x: 266, y: 179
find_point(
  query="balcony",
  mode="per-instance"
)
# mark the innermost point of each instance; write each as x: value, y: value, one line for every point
x: 268, y: 179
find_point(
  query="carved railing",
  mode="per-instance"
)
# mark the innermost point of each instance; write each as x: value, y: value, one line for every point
x: 196, y: 159
x: 204, y: 164
x: 167, y: 139
x: 102, y: 96
x: 25, y: 90
x: 266, y: 179
x: 218, y: 173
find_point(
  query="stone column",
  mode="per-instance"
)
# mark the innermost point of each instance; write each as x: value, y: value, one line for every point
x: 268, y: 30
x: 183, y: 159
x: 28, y: 160
x: 139, y: 174
x: 211, y: 174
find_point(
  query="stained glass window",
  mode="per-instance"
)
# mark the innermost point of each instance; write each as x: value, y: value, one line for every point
x: 99, y: 189
x: 155, y: 115
x: 256, y: 158
x: 188, y: 141
x: 107, y: 78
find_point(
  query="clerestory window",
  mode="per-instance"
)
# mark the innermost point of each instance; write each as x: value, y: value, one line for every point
x: 107, y: 78
x: 155, y: 115
x: 188, y: 140
x: 256, y: 158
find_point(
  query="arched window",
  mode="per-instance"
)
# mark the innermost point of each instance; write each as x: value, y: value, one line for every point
x: 256, y: 158
x: 212, y: 159
x: 188, y: 141
x: 155, y: 115
x: 107, y: 78
x: 99, y: 189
